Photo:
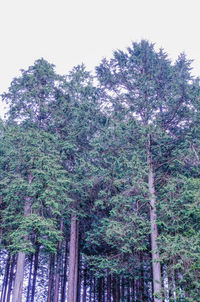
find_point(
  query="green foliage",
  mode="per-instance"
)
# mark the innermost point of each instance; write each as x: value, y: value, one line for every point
x: 71, y: 147
x: 31, y: 153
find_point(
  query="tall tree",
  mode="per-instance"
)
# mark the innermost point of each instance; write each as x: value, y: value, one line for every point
x: 76, y: 121
x: 30, y: 193
x: 146, y: 87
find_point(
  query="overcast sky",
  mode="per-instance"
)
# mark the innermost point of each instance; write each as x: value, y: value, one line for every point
x: 69, y: 32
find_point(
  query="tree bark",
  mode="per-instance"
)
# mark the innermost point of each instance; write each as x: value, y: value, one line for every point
x: 50, y: 283
x: 64, y: 273
x: 138, y: 289
x: 10, y: 278
x: 154, y: 230
x: 29, y: 279
x: 58, y: 266
x: 78, y: 276
x: 90, y: 295
x: 114, y: 287
x: 5, y: 281
x: 108, y: 285
x: 133, y: 289
x: 122, y: 288
x: 84, y: 297
x: 143, y: 289
x: 128, y: 290
x: 118, y: 289
x: 73, y: 260
x: 19, y: 277
x: 103, y: 289
x: 35, y: 272
x: 99, y: 289
x: 94, y: 289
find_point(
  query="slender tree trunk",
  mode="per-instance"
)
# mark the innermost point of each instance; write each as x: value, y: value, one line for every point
x: 29, y: 279
x: 174, y: 284
x: 19, y: 275
x: 35, y: 271
x: 78, y: 277
x: 117, y: 289
x: 58, y: 266
x: 94, y: 289
x: 165, y: 282
x: 108, y: 285
x: 51, y: 272
x: 133, y: 289
x: 143, y: 291
x: 5, y: 281
x: 122, y: 288
x: 11, y: 278
x: 128, y: 290
x: 154, y: 230
x: 64, y: 274
x: 73, y: 260
x: 99, y: 289
x: 114, y: 287
x: 90, y: 296
x: 103, y: 289
x: 84, y: 297
x: 138, y: 289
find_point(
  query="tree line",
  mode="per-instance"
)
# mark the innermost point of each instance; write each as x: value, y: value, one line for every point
x: 99, y: 179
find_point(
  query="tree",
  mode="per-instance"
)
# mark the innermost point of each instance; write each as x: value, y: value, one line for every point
x: 76, y: 121
x: 146, y: 87
x: 32, y: 188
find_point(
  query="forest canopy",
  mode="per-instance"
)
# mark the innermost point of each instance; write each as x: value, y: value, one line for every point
x: 100, y: 182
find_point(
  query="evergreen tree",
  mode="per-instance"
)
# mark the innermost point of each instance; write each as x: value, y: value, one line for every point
x: 32, y: 189
x: 100, y: 185
x: 146, y: 87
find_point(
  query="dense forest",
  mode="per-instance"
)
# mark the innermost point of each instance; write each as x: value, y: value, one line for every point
x: 99, y: 182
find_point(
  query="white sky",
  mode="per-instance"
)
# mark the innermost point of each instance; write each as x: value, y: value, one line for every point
x: 69, y: 32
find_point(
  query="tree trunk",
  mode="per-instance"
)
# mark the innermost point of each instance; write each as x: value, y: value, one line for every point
x: 90, y: 296
x: 114, y: 287
x: 84, y: 284
x: 118, y: 292
x: 78, y: 276
x: 108, y: 285
x: 19, y: 277
x: 165, y: 282
x: 50, y: 283
x: 143, y: 289
x: 10, y: 278
x: 99, y: 289
x: 73, y: 260
x: 94, y: 289
x: 154, y: 230
x: 138, y: 290
x: 35, y: 272
x: 29, y: 279
x: 128, y: 290
x: 174, y: 284
x: 103, y: 289
x: 5, y: 281
x: 64, y: 274
x: 122, y: 288
x: 133, y: 289
x: 58, y: 266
